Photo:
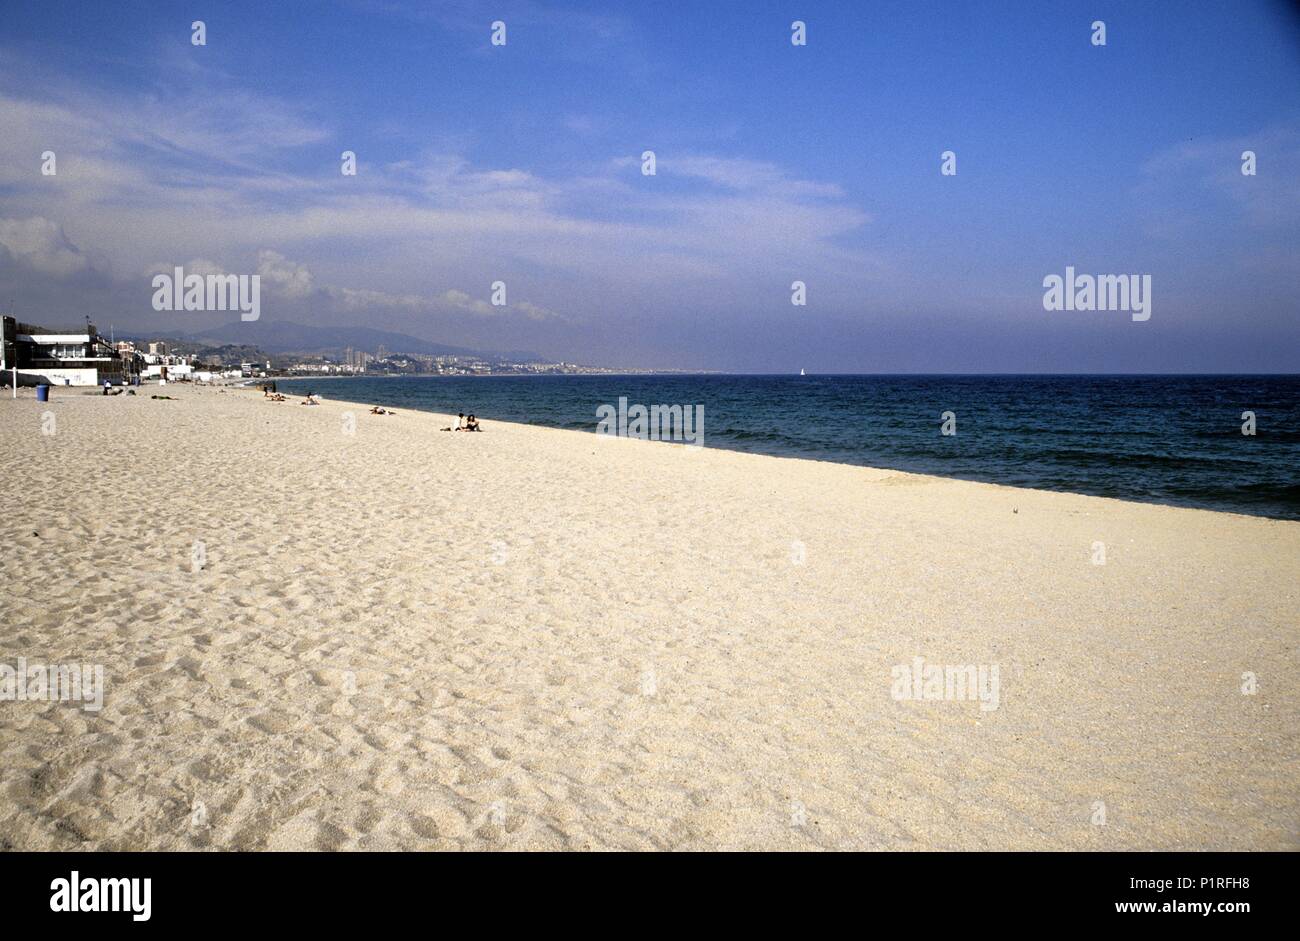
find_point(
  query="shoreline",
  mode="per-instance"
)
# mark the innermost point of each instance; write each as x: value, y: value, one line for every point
x: 795, y: 457
x: 399, y: 638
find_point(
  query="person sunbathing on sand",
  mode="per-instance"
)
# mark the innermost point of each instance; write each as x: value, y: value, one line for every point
x: 380, y: 410
x: 311, y: 399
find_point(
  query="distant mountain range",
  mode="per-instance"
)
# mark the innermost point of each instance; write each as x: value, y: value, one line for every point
x: 285, y: 336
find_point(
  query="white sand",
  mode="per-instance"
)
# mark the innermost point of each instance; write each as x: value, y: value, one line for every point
x: 532, y: 638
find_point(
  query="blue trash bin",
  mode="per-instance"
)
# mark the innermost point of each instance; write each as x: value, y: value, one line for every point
x: 42, y: 393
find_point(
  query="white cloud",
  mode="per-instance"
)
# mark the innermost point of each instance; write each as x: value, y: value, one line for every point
x: 280, y: 274
x: 741, y: 175
x: 1212, y: 167
x: 293, y: 280
x: 418, y: 232
x: 42, y: 245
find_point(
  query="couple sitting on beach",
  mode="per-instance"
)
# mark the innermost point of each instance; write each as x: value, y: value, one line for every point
x: 465, y: 424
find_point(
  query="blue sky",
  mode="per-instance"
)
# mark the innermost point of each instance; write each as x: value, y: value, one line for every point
x: 775, y: 163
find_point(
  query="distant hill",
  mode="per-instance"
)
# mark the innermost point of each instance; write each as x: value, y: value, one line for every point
x: 285, y: 336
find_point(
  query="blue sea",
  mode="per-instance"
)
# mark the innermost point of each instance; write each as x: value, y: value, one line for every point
x: 1161, y: 439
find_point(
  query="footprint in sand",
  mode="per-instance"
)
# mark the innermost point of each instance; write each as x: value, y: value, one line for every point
x: 272, y: 723
x: 425, y: 827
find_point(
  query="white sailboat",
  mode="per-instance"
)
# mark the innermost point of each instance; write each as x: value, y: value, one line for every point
x: 802, y: 373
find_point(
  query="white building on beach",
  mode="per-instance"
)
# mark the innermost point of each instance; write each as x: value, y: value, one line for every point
x: 51, y: 357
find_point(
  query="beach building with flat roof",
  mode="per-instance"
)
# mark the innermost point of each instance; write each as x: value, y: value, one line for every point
x: 61, y: 358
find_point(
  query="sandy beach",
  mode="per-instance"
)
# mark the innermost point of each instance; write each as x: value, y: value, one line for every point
x: 325, y: 629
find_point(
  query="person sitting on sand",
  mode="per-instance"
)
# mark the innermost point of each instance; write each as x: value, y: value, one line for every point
x: 471, y: 424
x: 311, y: 399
